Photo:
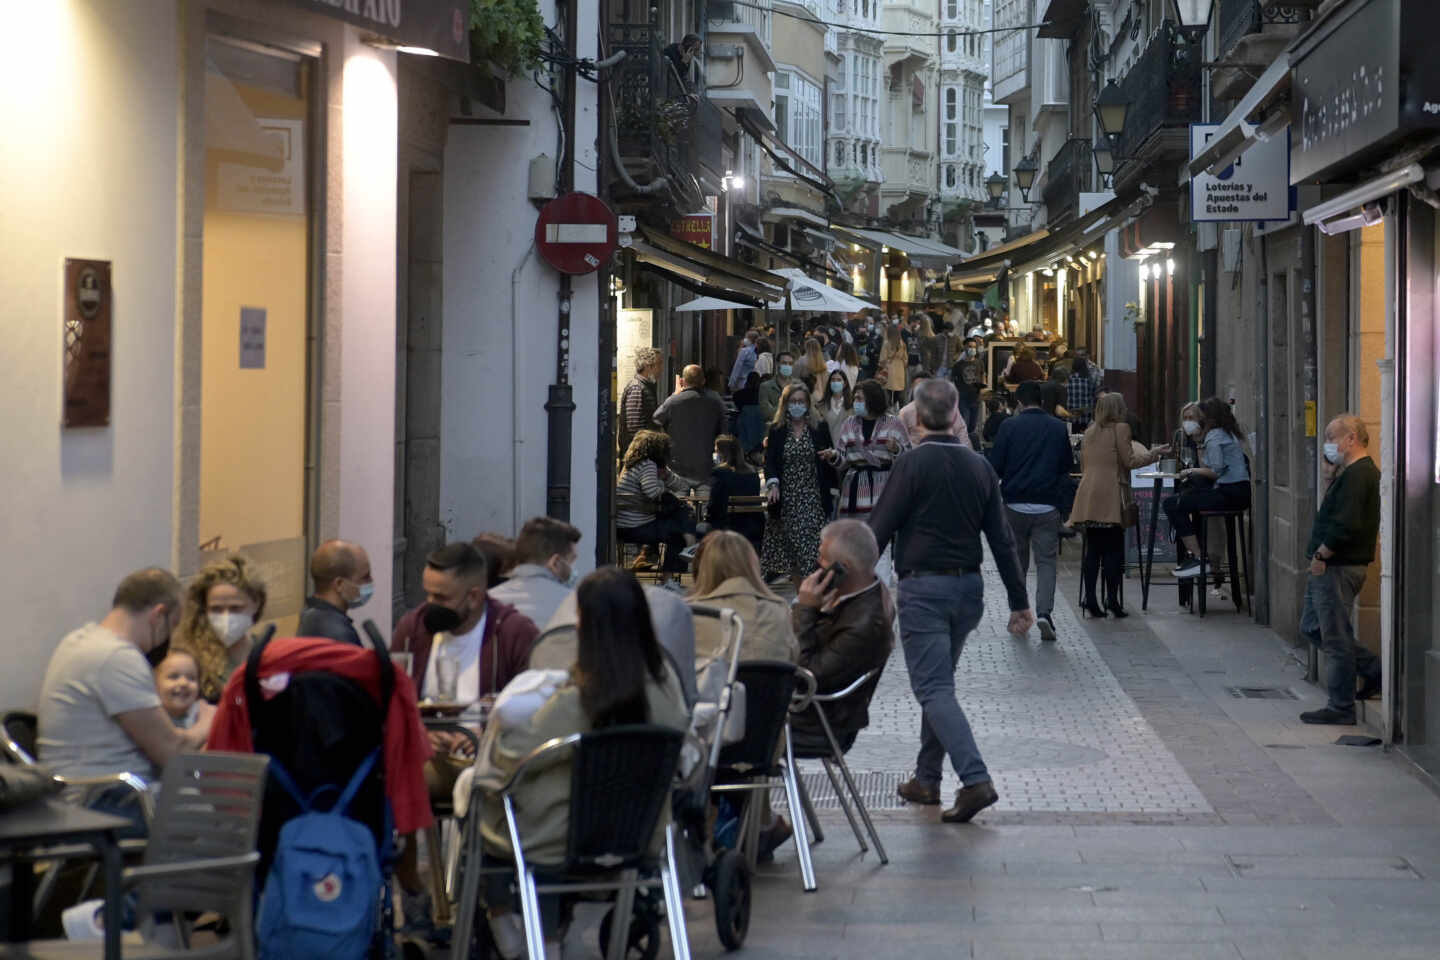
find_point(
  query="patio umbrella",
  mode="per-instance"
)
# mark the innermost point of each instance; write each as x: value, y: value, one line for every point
x: 710, y: 303
x: 808, y: 294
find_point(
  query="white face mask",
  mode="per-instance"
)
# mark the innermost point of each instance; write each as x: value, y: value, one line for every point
x: 859, y: 408
x: 364, y: 594
x: 231, y: 627
x: 1190, y: 427
x: 1332, y: 452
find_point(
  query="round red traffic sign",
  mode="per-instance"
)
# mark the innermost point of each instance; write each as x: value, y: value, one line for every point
x: 576, y: 233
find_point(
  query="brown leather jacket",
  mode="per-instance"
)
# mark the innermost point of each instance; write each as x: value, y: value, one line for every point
x: 839, y: 645
x: 504, y: 652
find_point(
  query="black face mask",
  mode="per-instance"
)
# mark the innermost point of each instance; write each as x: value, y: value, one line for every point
x: 438, y: 619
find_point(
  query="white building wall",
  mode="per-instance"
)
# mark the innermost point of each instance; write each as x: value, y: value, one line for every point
x: 494, y: 458
x: 82, y: 179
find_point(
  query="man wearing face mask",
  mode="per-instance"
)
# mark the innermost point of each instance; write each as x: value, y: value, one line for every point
x: 771, y: 389
x: 544, y: 571
x: 341, y: 572
x: 489, y: 642
x: 99, y: 713
x: 1342, y: 546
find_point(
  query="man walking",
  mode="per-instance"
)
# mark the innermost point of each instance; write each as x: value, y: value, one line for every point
x: 693, y: 417
x: 1342, y: 545
x: 744, y: 360
x: 1033, y: 459
x: 638, y: 402
x: 939, y: 498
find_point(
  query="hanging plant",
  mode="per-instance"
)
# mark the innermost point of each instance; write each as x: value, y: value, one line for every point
x: 506, y: 33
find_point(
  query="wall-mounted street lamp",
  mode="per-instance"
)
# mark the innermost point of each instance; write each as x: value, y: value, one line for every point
x: 1111, y: 108
x: 1025, y: 172
x: 1104, y: 155
x: 1192, y: 18
x: 996, y: 183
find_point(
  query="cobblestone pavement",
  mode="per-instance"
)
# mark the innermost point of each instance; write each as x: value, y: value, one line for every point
x: 1058, y: 732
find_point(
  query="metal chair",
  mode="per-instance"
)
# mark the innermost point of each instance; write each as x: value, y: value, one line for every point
x: 836, y: 756
x: 442, y: 840
x: 1238, y: 560
x: 19, y: 732
x: 200, y: 859
x: 608, y: 841
x: 752, y: 764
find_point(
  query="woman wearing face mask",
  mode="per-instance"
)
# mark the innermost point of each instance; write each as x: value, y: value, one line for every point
x: 894, y: 364
x: 868, y: 444
x: 1220, y: 481
x: 969, y: 384
x: 798, y: 475
x: 1186, y: 440
x: 224, y: 601
x: 834, y: 405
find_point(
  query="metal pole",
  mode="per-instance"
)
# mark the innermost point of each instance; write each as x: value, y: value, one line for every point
x: 1261, y: 507
x: 560, y: 403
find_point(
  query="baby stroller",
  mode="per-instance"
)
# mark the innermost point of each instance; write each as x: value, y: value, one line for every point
x: 319, y: 710
x: 719, y: 718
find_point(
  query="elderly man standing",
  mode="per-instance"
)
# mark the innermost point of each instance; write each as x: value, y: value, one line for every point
x: 939, y: 499
x: 693, y: 417
x: 842, y: 621
x: 341, y: 571
x: 1342, y: 545
x: 640, y: 398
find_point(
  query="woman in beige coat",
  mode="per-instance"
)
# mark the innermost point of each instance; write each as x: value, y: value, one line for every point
x: 894, y: 363
x: 727, y: 574
x: 619, y: 677
x: 1107, y: 455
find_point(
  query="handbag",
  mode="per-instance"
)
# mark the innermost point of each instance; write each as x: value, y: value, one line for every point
x: 1129, y: 509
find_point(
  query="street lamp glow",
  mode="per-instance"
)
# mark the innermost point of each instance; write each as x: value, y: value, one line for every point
x: 1192, y: 18
x: 1111, y: 108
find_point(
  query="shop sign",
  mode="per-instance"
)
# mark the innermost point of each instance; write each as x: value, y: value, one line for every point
x: 1255, y: 187
x: 695, y: 228
x: 1368, y: 80
x: 439, y: 25
x: 278, y: 188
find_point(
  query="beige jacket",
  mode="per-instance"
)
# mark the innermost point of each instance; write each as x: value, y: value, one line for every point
x: 766, y: 622
x: 1107, y: 455
x: 542, y: 801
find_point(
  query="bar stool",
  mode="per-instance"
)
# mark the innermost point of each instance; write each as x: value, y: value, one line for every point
x: 1235, y: 519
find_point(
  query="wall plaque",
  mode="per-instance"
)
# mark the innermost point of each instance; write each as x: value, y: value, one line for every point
x: 87, y: 338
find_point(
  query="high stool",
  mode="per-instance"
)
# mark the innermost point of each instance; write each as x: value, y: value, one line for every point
x: 1234, y: 518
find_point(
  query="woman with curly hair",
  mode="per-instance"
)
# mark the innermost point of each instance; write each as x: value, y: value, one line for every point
x: 224, y: 601
x: 646, y: 511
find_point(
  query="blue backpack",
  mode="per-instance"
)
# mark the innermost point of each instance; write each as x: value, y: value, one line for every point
x: 322, y: 896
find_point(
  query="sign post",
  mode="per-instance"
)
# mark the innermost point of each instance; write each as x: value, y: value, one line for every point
x: 1255, y: 187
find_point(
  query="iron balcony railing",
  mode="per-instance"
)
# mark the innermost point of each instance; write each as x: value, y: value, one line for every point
x: 1069, y: 173
x: 1163, y: 88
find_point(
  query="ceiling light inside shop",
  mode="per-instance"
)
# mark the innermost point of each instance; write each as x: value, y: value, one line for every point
x: 417, y: 51
x: 1170, y: 266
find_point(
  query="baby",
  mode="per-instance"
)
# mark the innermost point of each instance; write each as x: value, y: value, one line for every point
x: 177, y: 681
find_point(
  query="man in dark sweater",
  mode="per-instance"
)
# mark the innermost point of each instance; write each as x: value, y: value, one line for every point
x: 1342, y: 545
x: 1033, y: 458
x: 939, y: 499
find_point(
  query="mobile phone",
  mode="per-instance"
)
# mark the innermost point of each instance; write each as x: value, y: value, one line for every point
x: 839, y: 572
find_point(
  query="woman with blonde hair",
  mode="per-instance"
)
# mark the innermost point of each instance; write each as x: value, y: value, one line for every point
x: 223, y: 602
x: 1104, y: 504
x: 811, y: 365
x: 727, y: 574
x: 894, y: 361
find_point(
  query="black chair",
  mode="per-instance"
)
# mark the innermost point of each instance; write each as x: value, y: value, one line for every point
x: 835, y: 756
x: 752, y: 764
x: 1234, y: 519
x: 620, y: 781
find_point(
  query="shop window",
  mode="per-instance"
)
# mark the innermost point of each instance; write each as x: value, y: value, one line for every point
x: 950, y: 175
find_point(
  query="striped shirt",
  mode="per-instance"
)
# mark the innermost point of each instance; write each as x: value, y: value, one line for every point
x: 637, y: 494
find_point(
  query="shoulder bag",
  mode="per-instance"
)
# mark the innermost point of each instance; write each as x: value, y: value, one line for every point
x: 1129, y: 509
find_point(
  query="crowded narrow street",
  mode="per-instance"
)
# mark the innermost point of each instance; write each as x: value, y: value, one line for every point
x: 1145, y: 811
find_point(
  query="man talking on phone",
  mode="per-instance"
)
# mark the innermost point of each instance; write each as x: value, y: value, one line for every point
x: 842, y: 622
x: 940, y: 497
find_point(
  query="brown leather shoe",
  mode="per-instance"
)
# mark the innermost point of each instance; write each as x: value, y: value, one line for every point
x: 970, y: 801
x: 918, y: 791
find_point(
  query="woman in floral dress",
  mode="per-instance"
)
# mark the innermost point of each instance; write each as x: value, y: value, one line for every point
x: 798, y: 476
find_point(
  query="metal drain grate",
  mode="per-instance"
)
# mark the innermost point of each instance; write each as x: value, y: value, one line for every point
x: 1262, y: 693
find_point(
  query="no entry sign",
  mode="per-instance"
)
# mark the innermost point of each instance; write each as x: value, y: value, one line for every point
x: 576, y: 233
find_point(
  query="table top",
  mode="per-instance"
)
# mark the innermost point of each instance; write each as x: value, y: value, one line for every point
x: 1157, y: 475
x: 54, y: 821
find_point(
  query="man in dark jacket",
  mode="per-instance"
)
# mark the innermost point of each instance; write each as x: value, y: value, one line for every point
x: 640, y: 397
x: 341, y: 572
x: 1033, y: 458
x: 693, y: 417
x: 842, y: 622
x: 1342, y: 546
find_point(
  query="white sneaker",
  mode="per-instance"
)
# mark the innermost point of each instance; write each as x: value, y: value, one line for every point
x: 1047, y: 629
x: 1189, y: 571
x: 508, y: 935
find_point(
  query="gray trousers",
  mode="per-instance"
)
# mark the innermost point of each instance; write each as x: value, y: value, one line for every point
x: 1042, y: 530
x: 1325, y: 623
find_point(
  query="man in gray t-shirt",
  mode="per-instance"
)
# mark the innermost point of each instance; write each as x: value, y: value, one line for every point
x: 98, y: 711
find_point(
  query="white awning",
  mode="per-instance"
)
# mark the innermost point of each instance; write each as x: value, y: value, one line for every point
x: 807, y: 293
x: 795, y: 213
x: 923, y: 250
x: 1239, y: 130
x: 710, y: 303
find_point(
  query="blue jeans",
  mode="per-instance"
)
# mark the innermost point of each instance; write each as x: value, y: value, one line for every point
x: 936, y: 615
x: 1325, y: 623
